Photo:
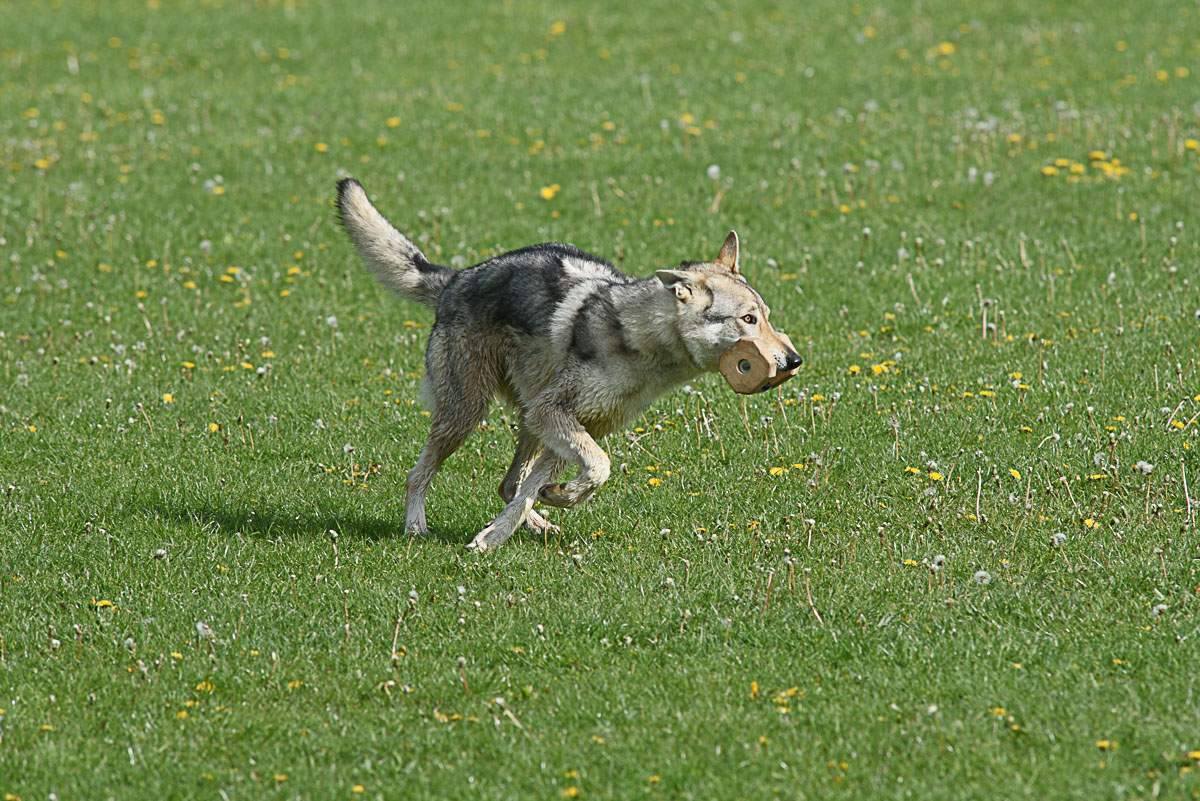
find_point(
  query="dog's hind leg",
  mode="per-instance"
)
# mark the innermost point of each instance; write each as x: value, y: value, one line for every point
x: 564, y: 435
x: 544, y: 468
x: 444, y: 439
x: 528, y: 447
x: 459, y: 403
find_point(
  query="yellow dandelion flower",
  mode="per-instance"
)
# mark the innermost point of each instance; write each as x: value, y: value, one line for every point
x: 392, y: 122
x: 913, y: 470
x: 218, y: 190
x: 1191, y: 144
x: 321, y: 147
x: 654, y: 481
x: 854, y: 369
x: 753, y: 689
x: 946, y: 48
x: 1178, y: 425
x: 1049, y: 171
x: 103, y: 604
x: 777, y: 471
x: 280, y: 778
x: 1106, y: 745
x: 1012, y: 471
x: 1195, y: 755
x: 570, y: 792
x: 295, y: 684
x: 558, y: 27
x: 1013, y: 138
x: 214, y: 428
x: 205, y: 686
x: 358, y: 789
x: 1090, y: 522
x: 549, y: 192
x: 935, y: 475
x: 182, y: 714
x: 168, y: 398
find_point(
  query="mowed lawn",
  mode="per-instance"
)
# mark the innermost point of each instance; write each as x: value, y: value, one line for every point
x: 953, y: 558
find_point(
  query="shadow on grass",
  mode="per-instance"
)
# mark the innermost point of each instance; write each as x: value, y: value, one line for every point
x: 272, y: 525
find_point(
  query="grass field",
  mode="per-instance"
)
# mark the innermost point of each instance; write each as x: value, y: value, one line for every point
x: 953, y: 558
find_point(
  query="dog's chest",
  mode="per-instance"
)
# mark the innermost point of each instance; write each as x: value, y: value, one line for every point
x: 608, y: 398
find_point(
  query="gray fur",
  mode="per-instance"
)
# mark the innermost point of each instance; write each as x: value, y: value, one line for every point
x: 578, y: 347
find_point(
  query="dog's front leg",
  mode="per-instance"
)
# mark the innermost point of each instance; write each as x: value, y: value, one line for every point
x: 494, y: 534
x: 566, y: 436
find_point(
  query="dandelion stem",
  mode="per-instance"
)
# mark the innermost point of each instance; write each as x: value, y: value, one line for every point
x: 978, y: 497
x: 812, y: 607
x: 1190, y: 519
x: 767, y: 598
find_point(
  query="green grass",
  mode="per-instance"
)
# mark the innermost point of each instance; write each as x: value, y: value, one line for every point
x: 652, y: 649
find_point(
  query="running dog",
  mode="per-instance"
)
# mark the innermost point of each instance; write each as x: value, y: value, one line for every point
x: 574, y: 345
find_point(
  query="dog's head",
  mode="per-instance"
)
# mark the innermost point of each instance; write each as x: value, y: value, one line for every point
x: 716, y: 307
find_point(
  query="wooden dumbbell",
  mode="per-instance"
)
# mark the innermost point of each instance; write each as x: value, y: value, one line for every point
x: 749, y: 367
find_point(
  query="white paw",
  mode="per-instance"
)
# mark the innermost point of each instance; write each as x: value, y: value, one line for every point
x: 491, y: 536
x: 538, y: 524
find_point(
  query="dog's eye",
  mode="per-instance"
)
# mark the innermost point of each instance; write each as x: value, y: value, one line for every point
x: 749, y: 319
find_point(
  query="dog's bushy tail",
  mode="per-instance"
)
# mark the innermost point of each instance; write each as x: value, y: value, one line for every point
x: 396, y: 261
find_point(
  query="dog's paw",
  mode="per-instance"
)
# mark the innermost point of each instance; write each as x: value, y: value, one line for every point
x: 557, y: 495
x: 539, y: 525
x: 566, y: 495
x: 492, y: 536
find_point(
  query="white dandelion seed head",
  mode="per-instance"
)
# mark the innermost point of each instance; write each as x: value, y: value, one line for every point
x: 204, y: 631
x: 1144, y: 467
x: 713, y: 172
x: 983, y: 577
x: 1159, y: 610
x: 1059, y: 539
x: 937, y: 563
x: 331, y: 321
x: 461, y: 662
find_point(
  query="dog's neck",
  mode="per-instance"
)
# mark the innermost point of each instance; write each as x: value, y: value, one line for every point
x: 649, y: 314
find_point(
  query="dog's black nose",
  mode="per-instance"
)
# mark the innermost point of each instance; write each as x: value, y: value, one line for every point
x: 793, y: 361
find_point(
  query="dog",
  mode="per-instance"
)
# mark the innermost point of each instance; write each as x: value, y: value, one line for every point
x: 577, y: 348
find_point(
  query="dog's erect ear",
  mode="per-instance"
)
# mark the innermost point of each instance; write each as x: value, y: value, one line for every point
x: 678, y: 281
x: 728, y: 257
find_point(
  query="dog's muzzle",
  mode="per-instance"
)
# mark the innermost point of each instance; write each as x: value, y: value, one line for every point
x: 749, y: 367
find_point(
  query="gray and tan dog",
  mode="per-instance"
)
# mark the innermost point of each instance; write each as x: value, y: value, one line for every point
x: 577, y: 348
